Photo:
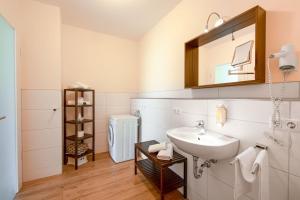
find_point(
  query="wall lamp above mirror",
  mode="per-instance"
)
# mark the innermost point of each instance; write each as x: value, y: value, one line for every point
x: 231, y: 54
x: 219, y: 22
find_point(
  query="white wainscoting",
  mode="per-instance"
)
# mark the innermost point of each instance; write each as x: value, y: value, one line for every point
x: 259, y: 91
x: 42, y: 128
x: 41, y: 133
x: 247, y: 120
x: 108, y: 104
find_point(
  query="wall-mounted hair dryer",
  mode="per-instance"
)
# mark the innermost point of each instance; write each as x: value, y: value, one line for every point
x: 287, y: 58
x: 288, y: 62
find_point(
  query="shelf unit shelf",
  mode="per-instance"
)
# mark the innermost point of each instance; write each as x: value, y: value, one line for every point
x: 79, y: 125
x: 79, y: 122
x: 157, y: 171
x: 80, y: 90
x: 89, y: 151
x: 152, y: 173
x: 74, y: 138
x: 73, y: 106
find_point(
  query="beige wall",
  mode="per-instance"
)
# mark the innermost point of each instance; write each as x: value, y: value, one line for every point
x: 41, y: 45
x: 9, y: 9
x: 106, y: 63
x: 162, y: 49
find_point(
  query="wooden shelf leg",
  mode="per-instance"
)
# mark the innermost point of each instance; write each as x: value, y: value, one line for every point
x: 162, y: 183
x: 185, y: 180
x: 76, y: 163
x: 135, y: 160
x: 76, y: 130
x: 65, y: 159
x: 93, y: 141
x: 65, y: 128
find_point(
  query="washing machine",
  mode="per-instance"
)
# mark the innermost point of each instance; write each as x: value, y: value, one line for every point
x: 122, y: 135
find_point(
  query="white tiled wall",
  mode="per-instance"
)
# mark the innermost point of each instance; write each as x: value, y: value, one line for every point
x: 248, y: 121
x: 108, y: 104
x: 41, y: 133
x: 292, y: 90
x: 42, y: 128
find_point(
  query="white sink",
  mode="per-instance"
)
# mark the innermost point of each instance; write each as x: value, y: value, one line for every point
x: 211, y: 145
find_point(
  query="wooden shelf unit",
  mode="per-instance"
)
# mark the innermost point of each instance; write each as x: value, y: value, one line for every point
x: 158, y: 171
x: 79, y: 125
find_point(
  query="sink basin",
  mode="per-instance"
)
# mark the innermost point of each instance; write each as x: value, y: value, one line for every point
x: 211, y: 145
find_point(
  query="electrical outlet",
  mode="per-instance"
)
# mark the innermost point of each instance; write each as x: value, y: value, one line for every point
x: 290, y: 124
x: 287, y: 124
x: 177, y: 110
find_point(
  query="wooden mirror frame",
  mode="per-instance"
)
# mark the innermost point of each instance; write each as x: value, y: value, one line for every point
x: 257, y: 16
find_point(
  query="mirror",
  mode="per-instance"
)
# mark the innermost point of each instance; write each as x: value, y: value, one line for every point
x: 231, y: 54
x: 228, y: 59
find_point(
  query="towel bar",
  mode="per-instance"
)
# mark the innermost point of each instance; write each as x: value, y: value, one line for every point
x: 257, y: 145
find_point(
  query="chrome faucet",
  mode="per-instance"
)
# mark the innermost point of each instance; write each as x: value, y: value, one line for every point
x: 201, y: 126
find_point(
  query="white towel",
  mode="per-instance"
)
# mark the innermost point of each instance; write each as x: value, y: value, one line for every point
x: 166, y: 154
x: 262, y: 162
x: 245, y: 165
x: 157, y: 147
x: 243, y: 175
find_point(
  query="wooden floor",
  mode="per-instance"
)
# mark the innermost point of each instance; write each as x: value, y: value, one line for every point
x: 99, y: 180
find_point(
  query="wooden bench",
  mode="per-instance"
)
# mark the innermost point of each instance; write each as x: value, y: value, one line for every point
x: 158, y: 172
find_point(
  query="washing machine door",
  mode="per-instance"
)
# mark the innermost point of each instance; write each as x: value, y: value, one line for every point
x: 111, y: 135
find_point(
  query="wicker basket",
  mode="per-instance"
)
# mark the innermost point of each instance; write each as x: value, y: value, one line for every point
x: 82, y: 148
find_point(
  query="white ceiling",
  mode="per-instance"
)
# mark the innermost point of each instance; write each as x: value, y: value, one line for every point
x: 124, y: 18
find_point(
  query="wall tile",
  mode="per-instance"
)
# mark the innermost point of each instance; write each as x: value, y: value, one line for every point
x: 100, y: 113
x: 41, y: 119
x: 40, y: 139
x: 294, y: 188
x: 185, y: 93
x: 117, y: 110
x: 295, y: 109
x: 224, y: 171
x: 191, y: 106
x: 101, y: 144
x: 248, y: 121
x: 295, y: 154
x: 41, y: 99
x: 33, y: 174
x: 42, y: 158
x: 197, y: 188
x: 218, y: 190
x: 248, y: 109
x: 100, y: 99
x: 259, y: 91
x: 278, y: 184
x: 206, y: 93
x: 251, y: 133
x: 41, y: 133
x: 118, y: 99
x: 184, y: 119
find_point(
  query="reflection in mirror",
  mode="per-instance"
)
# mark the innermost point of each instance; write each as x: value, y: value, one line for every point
x: 228, y: 59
